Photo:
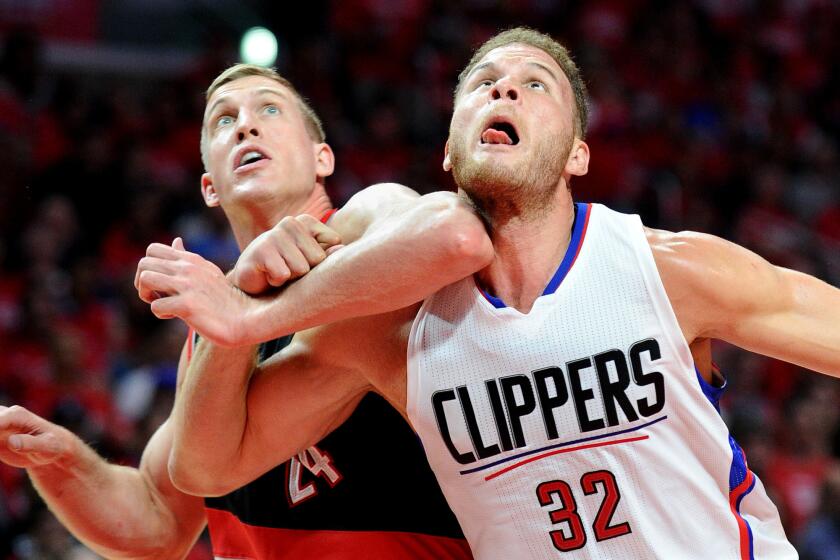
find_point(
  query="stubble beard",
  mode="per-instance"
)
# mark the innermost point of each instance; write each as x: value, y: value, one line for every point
x: 525, y: 189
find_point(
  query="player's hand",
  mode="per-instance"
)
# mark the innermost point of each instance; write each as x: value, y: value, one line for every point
x: 29, y: 441
x: 285, y: 252
x: 178, y: 283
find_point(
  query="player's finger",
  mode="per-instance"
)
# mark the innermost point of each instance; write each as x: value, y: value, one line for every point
x: 275, y: 269
x: 157, y: 264
x: 250, y: 280
x: 169, y: 308
x: 334, y: 248
x: 307, y: 244
x: 44, y: 444
x: 16, y: 418
x: 178, y: 244
x: 153, y: 281
x: 286, y: 242
x: 311, y: 250
x: 296, y: 261
x: 320, y: 231
x: 161, y: 251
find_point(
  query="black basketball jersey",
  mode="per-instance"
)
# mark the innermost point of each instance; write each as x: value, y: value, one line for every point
x: 364, y: 491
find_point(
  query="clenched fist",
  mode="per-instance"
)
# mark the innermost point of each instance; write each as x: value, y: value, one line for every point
x: 285, y: 252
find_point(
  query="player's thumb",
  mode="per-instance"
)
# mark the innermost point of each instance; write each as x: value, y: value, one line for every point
x: 325, y: 235
x: 43, y: 444
x: 178, y: 243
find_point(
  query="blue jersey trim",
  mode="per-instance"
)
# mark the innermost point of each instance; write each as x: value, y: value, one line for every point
x: 581, y: 218
x: 712, y: 393
x: 582, y: 211
x: 738, y: 470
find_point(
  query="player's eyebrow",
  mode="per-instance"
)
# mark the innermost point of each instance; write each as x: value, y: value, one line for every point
x: 480, y: 67
x: 492, y: 66
x: 260, y: 91
x: 545, y: 68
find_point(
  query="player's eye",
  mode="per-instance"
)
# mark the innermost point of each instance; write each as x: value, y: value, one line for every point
x: 272, y: 109
x: 224, y: 120
x: 537, y: 85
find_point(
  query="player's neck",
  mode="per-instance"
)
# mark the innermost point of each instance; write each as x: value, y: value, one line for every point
x: 528, y: 251
x: 249, y: 224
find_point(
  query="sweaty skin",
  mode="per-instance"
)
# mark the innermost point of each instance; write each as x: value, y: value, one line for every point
x: 717, y: 289
x: 123, y: 512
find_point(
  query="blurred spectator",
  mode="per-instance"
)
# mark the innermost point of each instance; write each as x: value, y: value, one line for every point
x: 820, y: 539
x: 720, y: 116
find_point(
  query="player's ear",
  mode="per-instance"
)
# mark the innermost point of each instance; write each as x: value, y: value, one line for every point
x: 578, y: 162
x: 447, y: 162
x: 208, y: 191
x: 324, y: 160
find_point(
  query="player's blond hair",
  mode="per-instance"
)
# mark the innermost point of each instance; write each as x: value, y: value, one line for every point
x: 313, y: 124
x: 533, y: 38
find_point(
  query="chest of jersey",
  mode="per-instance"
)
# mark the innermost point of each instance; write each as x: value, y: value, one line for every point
x: 579, y: 425
x: 587, y: 358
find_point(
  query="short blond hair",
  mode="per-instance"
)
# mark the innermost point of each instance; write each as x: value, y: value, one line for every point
x: 313, y: 124
x: 533, y: 38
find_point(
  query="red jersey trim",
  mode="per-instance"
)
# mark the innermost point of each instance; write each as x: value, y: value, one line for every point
x: 190, y: 343
x: 233, y: 539
x: 329, y: 214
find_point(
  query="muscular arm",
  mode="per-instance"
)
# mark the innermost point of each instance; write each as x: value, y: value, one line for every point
x: 721, y: 290
x: 227, y: 436
x: 400, y: 247
x: 117, y: 511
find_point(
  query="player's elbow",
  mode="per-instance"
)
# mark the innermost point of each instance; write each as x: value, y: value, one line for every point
x: 202, y: 481
x: 464, y: 238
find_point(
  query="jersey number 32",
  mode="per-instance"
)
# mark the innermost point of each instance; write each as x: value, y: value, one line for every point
x: 558, y: 492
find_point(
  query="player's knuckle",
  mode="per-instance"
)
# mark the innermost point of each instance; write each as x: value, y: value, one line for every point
x: 281, y: 274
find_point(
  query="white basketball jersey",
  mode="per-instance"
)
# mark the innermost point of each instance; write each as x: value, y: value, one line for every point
x: 582, y: 429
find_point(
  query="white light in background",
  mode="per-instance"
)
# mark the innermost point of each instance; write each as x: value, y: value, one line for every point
x: 258, y: 46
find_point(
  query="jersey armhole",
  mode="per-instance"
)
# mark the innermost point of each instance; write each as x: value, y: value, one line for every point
x: 659, y: 297
x: 413, y: 369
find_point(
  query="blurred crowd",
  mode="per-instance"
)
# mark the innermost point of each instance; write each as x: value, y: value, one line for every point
x: 721, y: 116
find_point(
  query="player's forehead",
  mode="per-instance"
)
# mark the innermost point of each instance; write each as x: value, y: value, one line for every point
x: 242, y: 89
x: 517, y: 55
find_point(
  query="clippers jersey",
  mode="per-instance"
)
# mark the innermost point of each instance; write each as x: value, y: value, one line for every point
x: 582, y: 429
x: 364, y: 491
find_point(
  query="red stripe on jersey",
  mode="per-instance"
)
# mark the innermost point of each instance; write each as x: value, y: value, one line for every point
x: 190, y: 343
x: 233, y: 539
x: 560, y: 451
x: 329, y: 213
x: 743, y: 530
x: 582, y: 235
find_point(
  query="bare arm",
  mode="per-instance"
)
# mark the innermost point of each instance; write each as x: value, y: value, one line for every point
x: 405, y: 252
x: 400, y: 248
x: 721, y: 290
x: 117, y: 511
x: 235, y: 421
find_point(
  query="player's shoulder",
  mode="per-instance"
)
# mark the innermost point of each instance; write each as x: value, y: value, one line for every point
x: 688, y: 251
x: 696, y: 252
x: 354, y: 217
x: 701, y: 271
x: 380, y: 194
x: 386, y: 196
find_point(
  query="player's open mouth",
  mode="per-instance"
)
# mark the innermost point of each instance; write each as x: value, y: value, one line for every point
x: 249, y: 156
x: 500, y: 132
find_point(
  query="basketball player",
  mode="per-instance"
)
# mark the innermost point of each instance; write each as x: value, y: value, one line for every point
x: 554, y: 390
x: 266, y: 161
